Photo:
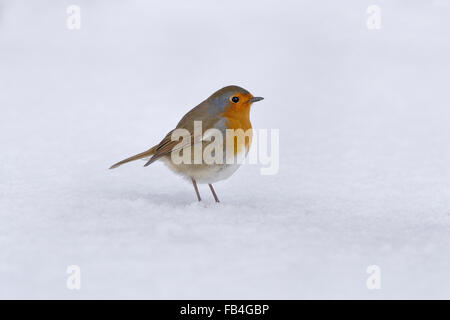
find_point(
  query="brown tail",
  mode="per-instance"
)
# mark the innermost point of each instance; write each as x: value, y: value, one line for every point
x: 141, y: 155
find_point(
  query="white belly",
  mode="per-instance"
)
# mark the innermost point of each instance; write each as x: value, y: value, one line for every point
x: 203, y: 173
x: 216, y: 173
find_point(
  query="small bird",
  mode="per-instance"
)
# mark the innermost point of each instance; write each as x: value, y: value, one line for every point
x: 227, y: 108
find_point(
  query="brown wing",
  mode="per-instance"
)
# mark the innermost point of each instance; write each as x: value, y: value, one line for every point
x: 167, y: 145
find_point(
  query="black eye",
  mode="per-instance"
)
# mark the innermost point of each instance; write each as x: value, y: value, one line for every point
x: 235, y: 99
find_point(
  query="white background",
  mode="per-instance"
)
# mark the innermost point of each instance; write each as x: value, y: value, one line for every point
x: 364, y: 149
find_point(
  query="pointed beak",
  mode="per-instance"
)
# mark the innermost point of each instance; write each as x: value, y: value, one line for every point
x: 256, y: 99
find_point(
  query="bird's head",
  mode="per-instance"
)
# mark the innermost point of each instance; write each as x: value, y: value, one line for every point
x: 232, y: 99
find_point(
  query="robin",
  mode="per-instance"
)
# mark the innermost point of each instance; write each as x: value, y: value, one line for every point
x: 226, y: 109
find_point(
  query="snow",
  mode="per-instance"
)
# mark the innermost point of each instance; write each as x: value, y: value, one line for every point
x: 364, y: 173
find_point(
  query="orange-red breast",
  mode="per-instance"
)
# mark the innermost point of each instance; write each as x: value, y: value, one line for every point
x: 227, y: 108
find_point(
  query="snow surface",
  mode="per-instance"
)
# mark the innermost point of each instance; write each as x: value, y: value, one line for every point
x: 364, y: 166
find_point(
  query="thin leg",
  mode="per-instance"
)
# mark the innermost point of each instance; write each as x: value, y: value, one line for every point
x: 196, y: 189
x: 213, y: 192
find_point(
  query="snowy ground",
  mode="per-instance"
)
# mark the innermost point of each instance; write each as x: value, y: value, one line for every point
x: 364, y: 166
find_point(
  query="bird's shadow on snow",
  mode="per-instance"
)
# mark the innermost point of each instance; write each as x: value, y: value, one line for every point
x: 183, y: 199
x: 172, y: 199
